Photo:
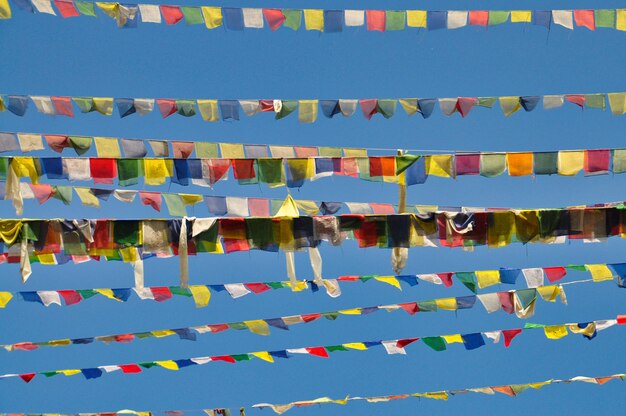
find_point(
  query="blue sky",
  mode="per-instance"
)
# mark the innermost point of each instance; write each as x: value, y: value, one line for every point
x: 44, y: 55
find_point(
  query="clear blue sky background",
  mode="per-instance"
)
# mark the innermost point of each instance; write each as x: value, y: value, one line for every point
x: 43, y: 55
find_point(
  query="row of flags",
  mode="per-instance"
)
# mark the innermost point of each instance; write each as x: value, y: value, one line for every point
x: 213, y: 110
x: 328, y: 21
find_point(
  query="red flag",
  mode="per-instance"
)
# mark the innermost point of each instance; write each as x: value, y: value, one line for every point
x: 310, y: 317
x: 579, y: 100
x: 167, y: 107
x: 66, y: 8
x: 151, y: 198
x: 42, y: 192
x: 318, y: 351
x: 27, y: 377
x: 382, y: 209
x: 506, y: 301
x: 25, y: 346
x: 182, y: 150
x: 161, y: 294
x: 446, y: 278
x: 369, y: 107
x: 218, y: 328
x: 504, y: 390
x: 71, y: 297
x: 130, y: 368
x: 478, y: 18
x: 124, y: 338
x: 597, y: 160
x: 509, y: 334
x: 267, y: 105
x: 410, y: 308
x: 217, y: 169
x: 244, y: 168
x: 275, y: 18
x: 404, y: 342
x: 306, y: 151
x: 465, y: 104
x: 257, y: 287
x: 376, y: 20
x: 57, y: 143
x: 554, y: 273
x: 171, y: 14
x: 349, y: 167
x: 621, y: 319
x: 225, y: 358
x: 103, y: 170
x: 585, y: 18
x: 63, y: 106
x: 258, y: 207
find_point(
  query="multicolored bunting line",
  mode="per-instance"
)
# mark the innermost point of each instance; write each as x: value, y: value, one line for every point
x: 328, y: 21
x: 53, y: 241
x: 229, y: 205
x: 521, y: 302
x: 294, y: 172
x: 534, y: 278
x: 213, y: 110
x: 511, y: 390
x: 181, y: 149
x: 471, y: 341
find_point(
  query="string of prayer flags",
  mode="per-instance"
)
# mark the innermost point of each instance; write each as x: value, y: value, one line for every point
x: 262, y: 326
x: 511, y: 390
x: 471, y: 341
x: 224, y: 205
x: 57, y: 241
x: 294, y: 172
x: 68, y: 297
x: 328, y: 21
x: 213, y: 110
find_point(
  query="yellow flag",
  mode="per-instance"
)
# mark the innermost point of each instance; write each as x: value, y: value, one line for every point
x: 439, y: 165
x: 232, y: 151
x: 549, y: 293
x: 509, y: 105
x: 87, y: 197
x: 162, y: 333
x: 617, y: 102
x: 48, y: 259
x: 264, y: 355
x: 69, y: 372
x: 129, y: 254
x: 353, y: 311
x: 599, y: 272
x: 620, y: 23
x: 190, y: 199
x: 314, y: 19
x: 356, y: 346
x: 447, y: 304
x: 103, y: 105
x: 25, y: 167
x: 555, y: 331
x: 354, y: 152
x: 5, y: 297
x: 309, y: 207
x: 108, y: 293
x: 570, y: 162
x: 5, y: 9
x: 437, y: 395
x: 390, y: 280
x: 521, y: 16
x: 416, y: 18
x: 156, y: 170
x: 451, y: 339
x: 107, y: 147
x: 208, y: 109
x: 289, y: 208
x: 59, y: 342
x: 201, y: 295
x: 487, y: 278
x: 168, y: 364
x: 258, y: 326
x: 212, y: 16
x: 409, y: 105
x: 307, y: 111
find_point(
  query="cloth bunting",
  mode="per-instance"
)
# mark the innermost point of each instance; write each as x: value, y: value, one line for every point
x: 471, y: 341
